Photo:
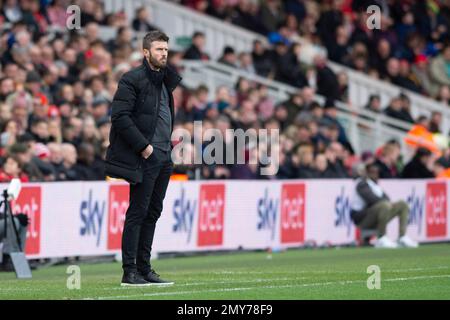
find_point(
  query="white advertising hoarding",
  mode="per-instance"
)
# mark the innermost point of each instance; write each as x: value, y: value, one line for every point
x: 86, y: 218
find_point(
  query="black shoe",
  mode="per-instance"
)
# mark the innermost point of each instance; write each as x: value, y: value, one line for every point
x: 153, y: 278
x: 133, y: 279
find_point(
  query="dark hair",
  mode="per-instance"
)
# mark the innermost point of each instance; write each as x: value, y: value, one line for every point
x: 436, y: 112
x: 121, y: 30
x: 228, y: 50
x: 18, y: 148
x: 373, y: 97
x: 333, y: 126
x: 421, y: 118
x: 271, y: 120
x: 446, y: 45
x: 5, y: 124
x: 5, y: 159
x: 403, y: 96
x: 198, y: 34
x: 329, y: 104
x: 201, y: 88
x: 38, y: 121
x: 152, y: 36
x: 25, y: 138
x: 314, y: 105
x: 139, y: 10
x: 422, y: 152
x: 372, y: 165
x: 393, y: 142
x: 96, y: 43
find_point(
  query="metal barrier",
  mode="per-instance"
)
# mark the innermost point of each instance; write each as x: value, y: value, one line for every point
x: 362, y: 86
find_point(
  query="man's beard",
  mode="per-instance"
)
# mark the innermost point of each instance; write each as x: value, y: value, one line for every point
x: 155, y: 63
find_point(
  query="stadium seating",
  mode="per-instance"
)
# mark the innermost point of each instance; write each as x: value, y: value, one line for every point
x: 367, y: 129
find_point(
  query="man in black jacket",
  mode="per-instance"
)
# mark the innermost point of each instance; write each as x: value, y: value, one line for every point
x: 140, y: 152
x: 196, y: 50
x: 420, y: 165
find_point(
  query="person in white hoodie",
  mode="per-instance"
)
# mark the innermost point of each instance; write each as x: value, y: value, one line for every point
x: 371, y: 208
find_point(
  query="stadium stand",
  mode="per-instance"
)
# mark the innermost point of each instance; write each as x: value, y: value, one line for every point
x: 56, y: 84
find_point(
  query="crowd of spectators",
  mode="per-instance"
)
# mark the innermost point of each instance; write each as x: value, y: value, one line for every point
x: 410, y: 49
x: 56, y: 89
x: 313, y: 142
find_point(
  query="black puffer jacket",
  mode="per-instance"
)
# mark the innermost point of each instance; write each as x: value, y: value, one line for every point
x: 135, y: 109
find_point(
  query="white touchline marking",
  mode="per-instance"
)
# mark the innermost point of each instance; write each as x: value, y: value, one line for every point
x: 419, y: 269
x: 344, y: 282
x: 320, y: 271
x: 221, y: 281
x: 218, y: 282
x: 19, y: 289
x: 237, y: 272
x: 418, y: 278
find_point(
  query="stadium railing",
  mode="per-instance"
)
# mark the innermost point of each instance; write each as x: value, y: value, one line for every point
x: 362, y: 86
x: 180, y: 22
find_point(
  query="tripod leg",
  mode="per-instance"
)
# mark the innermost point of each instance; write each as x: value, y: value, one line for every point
x: 2, y: 237
x: 19, y: 243
x: 15, y: 228
x: 5, y: 232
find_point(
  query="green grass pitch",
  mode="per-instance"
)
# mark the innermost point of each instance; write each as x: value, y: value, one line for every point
x: 334, y: 273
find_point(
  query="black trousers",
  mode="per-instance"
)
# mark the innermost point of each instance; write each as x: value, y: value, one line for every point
x: 146, y: 205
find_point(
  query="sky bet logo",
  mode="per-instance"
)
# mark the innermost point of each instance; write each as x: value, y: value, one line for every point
x: 211, y: 215
x: 117, y: 207
x: 183, y: 213
x: 342, y: 211
x: 92, y: 213
x: 436, y: 209
x: 416, y: 207
x: 292, y: 213
x: 29, y: 203
x: 267, y: 213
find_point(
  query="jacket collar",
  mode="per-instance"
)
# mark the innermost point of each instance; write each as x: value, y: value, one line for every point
x: 171, y: 77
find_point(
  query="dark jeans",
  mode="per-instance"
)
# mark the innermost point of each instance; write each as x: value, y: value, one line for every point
x: 146, y: 205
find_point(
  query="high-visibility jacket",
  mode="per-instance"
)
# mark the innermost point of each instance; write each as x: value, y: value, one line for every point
x: 179, y: 177
x: 419, y: 136
x: 444, y: 174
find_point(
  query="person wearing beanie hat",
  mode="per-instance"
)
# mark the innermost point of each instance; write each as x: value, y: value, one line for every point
x: 420, y: 71
x: 229, y: 57
x: 41, y: 151
x: 420, y: 165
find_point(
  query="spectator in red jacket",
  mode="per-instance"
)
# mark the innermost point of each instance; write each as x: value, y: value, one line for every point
x: 10, y: 170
